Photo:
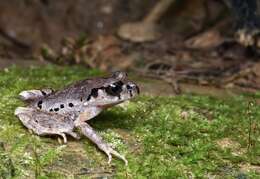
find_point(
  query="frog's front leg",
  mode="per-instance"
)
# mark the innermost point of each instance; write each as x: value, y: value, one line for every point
x: 89, y: 132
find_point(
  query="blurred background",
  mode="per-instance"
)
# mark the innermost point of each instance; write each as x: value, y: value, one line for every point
x: 202, y: 42
x: 206, y: 50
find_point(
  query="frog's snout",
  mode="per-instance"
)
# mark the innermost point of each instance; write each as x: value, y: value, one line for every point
x: 132, y: 88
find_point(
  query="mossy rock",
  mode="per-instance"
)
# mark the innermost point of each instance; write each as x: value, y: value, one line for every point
x: 162, y: 137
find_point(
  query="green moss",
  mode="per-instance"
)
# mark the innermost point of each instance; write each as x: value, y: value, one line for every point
x: 162, y: 137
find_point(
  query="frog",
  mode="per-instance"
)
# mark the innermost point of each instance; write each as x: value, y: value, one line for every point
x: 66, y: 111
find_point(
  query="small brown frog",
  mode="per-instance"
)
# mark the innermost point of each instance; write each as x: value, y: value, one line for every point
x: 60, y: 112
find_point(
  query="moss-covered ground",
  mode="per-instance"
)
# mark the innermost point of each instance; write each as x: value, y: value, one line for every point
x: 186, y: 136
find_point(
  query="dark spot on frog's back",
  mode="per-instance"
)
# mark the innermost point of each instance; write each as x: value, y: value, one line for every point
x: 71, y: 105
x: 56, y: 109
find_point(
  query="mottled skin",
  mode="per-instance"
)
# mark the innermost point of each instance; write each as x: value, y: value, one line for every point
x: 60, y: 112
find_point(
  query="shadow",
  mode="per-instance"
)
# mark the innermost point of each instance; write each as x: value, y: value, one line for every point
x: 112, y: 119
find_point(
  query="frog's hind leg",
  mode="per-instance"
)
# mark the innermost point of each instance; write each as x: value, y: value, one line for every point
x: 30, y: 95
x: 42, y: 123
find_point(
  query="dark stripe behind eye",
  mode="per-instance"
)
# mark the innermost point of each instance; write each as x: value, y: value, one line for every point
x: 113, y: 90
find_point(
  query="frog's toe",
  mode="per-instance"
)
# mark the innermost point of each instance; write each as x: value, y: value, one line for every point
x: 94, y: 137
x: 63, y: 136
x: 109, y: 158
x: 110, y: 151
x: 74, y: 135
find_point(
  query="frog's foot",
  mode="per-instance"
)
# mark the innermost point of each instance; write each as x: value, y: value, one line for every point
x: 42, y: 123
x: 34, y: 94
x: 94, y: 137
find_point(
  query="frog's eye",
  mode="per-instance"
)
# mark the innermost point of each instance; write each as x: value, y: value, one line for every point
x: 114, y: 89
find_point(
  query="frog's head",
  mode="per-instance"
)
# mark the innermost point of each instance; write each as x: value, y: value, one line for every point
x: 115, y: 89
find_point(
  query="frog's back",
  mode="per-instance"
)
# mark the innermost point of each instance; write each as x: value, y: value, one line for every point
x: 72, y: 97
